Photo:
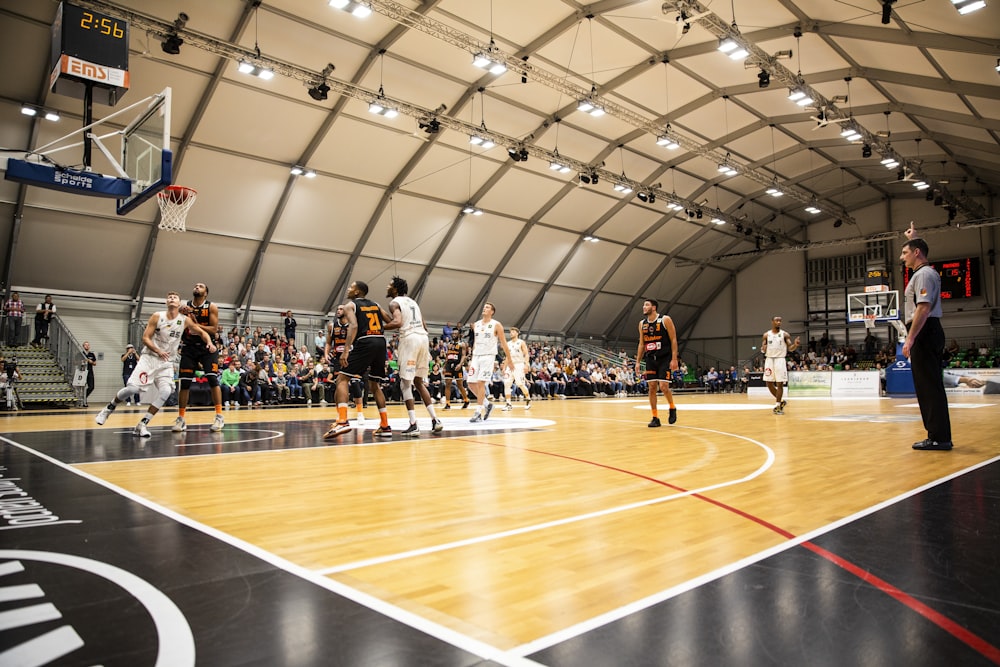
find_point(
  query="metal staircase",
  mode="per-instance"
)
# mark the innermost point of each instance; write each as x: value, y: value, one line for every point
x: 43, y: 381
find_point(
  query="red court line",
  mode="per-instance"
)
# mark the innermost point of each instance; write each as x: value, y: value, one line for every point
x: 972, y: 640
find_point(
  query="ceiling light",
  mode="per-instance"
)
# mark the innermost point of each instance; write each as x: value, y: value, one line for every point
x: 667, y: 142
x: 674, y: 206
x: 585, y: 178
x: 52, y: 115
x: 727, y: 169
x: 866, y: 151
x: 246, y: 67
x: 555, y: 165
x: 718, y: 220
x: 591, y: 107
x: 471, y: 210
x: 319, y: 92
x: 783, y: 55
x: 796, y: 94
x: 297, y: 170
x: 358, y: 9
x: 623, y: 188
x: 763, y: 79
x: 29, y: 110
x: 998, y: 65
x: 482, y: 142
x: 968, y: 6
x: 379, y: 107
x: 517, y: 154
x: 838, y: 222
x: 813, y: 210
x: 774, y: 191
x: 171, y: 44
x: 728, y: 45
x: 890, y: 163
x: 591, y: 239
x: 887, y: 11
x: 851, y: 135
x: 921, y: 185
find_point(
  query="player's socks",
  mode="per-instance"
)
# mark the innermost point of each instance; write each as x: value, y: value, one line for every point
x: 383, y: 417
x: 341, y: 412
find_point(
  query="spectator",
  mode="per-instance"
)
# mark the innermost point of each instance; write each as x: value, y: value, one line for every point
x: 89, y: 360
x: 129, y: 361
x: 43, y: 315
x: 294, y: 386
x: 13, y: 310
x: 290, y: 325
x: 230, y: 382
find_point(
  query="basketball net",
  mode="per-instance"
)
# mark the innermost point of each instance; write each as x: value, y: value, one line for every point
x: 175, y: 201
x: 869, y: 320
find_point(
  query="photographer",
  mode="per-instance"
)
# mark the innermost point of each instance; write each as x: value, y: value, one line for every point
x: 8, y: 376
x: 129, y: 361
x: 43, y: 315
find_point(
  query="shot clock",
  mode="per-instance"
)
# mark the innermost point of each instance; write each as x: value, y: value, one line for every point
x: 89, y: 48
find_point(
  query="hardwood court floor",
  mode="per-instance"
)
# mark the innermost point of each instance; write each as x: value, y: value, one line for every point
x: 522, y: 535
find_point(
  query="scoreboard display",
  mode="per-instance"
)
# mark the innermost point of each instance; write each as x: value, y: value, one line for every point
x: 89, y: 50
x: 960, y: 278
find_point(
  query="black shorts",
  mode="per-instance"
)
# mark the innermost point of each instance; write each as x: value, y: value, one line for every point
x: 196, y: 357
x: 657, y: 367
x: 451, y: 369
x: 368, y: 354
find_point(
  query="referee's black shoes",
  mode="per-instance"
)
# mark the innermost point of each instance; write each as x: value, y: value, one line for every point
x: 932, y: 445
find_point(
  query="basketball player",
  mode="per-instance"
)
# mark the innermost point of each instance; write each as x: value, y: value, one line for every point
x: 488, y: 336
x: 413, y: 353
x: 156, y: 363
x: 454, y: 361
x: 195, y: 354
x: 364, y: 350
x: 652, y: 329
x: 518, y: 361
x: 776, y: 344
x: 336, y: 339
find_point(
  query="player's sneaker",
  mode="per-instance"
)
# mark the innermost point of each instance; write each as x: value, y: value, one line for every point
x: 778, y: 410
x: 340, y: 428
x: 507, y: 408
x: 655, y: 423
x: 217, y: 424
x: 179, y: 425
x: 672, y: 416
x: 103, y: 415
x: 486, y: 413
x: 476, y: 418
x: 527, y: 406
x: 447, y: 406
x: 383, y: 432
x: 361, y: 419
x: 436, y: 426
x: 465, y: 405
x: 411, y: 431
x: 783, y: 404
x: 140, y: 431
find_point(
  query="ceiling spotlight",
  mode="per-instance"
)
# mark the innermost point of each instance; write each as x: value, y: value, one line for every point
x: 490, y: 61
x: 585, y: 178
x: 866, y: 151
x: 890, y: 162
x: 774, y: 191
x: 839, y: 99
x: 968, y: 6
x: 591, y: 239
x: 699, y: 214
x: 718, y: 219
x: 358, y: 9
x: 517, y: 154
x: 732, y: 48
x: 921, y: 185
x: 739, y: 226
x: 763, y: 79
x: 623, y: 188
x: 379, y: 106
x: 482, y: 142
x: 796, y: 94
x: 887, y: 11
x: 29, y: 110
x: 319, y: 92
x: 668, y: 143
x: 929, y: 196
x: 674, y: 206
x: 171, y: 44
x: 555, y: 165
x: 643, y: 197
x: 590, y: 106
x: 469, y: 209
x: 727, y: 169
x: 838, y: 222
x: 297, y: 170
x: 812, y: 209
x: 246, y: 67
x: 783, y: 55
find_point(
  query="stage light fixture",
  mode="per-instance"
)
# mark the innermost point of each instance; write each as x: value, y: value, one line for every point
x: 838, y: 222
x: 171, y: 44
x: 718, y: 219
x: 929, y: 196
x: 319, y: 92
x: 850, y: 134
x: 489, y: 61
x: 380, y: 107
x: 699, y: 214
x: 643, y: 197
x: 887, y: 11
x: 866, y: 151
x: 763, y: 79
x: 584, y: 178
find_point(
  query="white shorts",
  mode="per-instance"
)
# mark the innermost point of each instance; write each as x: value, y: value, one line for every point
x: 150, y: 371
x: 517, y: 375
x: 481, y: 368
x: 413, y: 355
x: 775, y: 370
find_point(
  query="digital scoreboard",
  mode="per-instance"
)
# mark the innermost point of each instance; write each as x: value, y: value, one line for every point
x: 960, y: 278
x: 89, y: 49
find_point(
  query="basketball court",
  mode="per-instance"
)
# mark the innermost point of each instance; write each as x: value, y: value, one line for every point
x: 570, y: 534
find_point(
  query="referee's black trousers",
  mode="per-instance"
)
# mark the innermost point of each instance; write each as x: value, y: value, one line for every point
x: 925, y: 363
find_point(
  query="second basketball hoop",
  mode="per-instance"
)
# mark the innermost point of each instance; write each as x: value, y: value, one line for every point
x: 175, y: 201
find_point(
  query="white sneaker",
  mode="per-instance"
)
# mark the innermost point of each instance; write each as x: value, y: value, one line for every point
x: 309, y: 402
x: 361, y: 420
x: 179, y: 425
x: 128, y: 402
x: 102, y: 416
x: 140, y: 431
x: 217, y: 424
x: 507, y: 407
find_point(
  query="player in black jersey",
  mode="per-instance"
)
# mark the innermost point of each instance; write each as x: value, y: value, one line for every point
x: 454, y: 363
x: 658, y: 345
x: 364, y: 350
x: 195, y: 355
x: 336, y: 343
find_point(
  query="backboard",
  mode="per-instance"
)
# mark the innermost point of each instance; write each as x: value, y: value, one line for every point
x: 883, y: 305
x: 145, y: 152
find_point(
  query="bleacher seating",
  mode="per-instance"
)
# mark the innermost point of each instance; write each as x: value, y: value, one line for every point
x: 42, y: 381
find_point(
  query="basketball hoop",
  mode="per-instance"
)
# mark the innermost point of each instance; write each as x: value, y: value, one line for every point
x: 175, y: 201
x: 869, y: 320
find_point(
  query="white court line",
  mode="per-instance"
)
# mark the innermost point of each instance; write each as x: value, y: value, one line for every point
x: 769, y: 461
x: 639, y: 605
x: 427, y: 626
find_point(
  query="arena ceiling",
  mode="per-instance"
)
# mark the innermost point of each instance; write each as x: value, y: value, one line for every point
x: 388, y: 194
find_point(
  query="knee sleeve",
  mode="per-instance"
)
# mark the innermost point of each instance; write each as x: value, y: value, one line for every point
x: 127, y: 392
x: 162, y: 395
x: 213, y: 380
x: 185, y: 384
x: 357, y: 388
x: 406, y: 387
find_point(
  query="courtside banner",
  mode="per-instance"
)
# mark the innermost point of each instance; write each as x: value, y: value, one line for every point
x: 857, y: 384
x: 974, y: 381
x: 809, y: 383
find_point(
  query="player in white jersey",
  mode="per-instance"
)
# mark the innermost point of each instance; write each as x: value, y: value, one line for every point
x: 518, y: 362
x: 155, y: 369
x: 413, y: 353
x: 488, y: 339
x: 776, y: 344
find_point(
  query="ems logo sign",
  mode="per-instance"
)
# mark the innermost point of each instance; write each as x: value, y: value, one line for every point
x: 56, y: 606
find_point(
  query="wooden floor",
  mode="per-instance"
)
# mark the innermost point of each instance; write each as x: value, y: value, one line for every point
x: 511, y: 538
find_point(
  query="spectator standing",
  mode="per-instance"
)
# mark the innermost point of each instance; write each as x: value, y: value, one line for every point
x: 290, y: 325
x: 43, y: 315
x: 90, y: 359
x: 129, y: 361
x: 13, y: 310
